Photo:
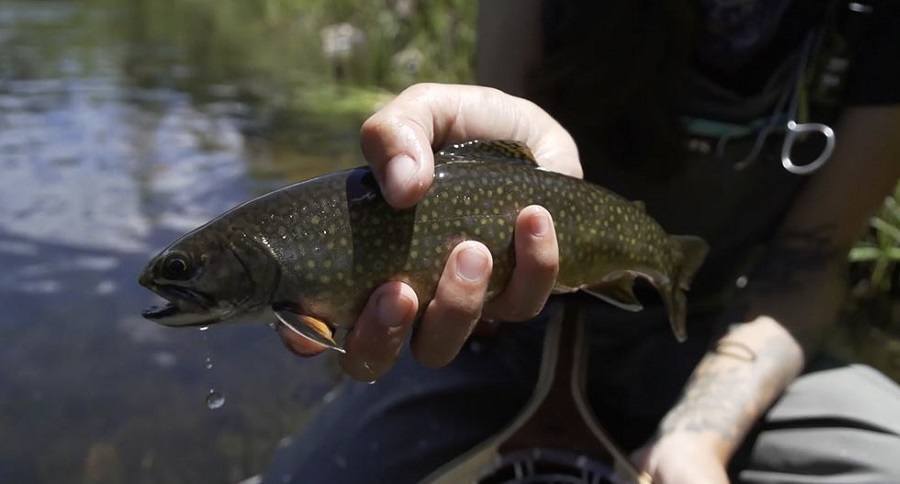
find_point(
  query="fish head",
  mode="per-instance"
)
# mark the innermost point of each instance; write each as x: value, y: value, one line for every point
x: 205, y: 280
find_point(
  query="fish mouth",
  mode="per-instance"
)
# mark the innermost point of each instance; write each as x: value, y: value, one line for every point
x: 184, y: 307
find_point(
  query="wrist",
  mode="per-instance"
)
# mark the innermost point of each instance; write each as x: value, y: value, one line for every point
x: 684, y: 458
x: 707, y: 443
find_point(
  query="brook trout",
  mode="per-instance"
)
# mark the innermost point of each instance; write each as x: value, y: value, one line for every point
x: 314, y: 251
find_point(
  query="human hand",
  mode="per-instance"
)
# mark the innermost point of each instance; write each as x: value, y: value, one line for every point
x: 681, y: 459
x: 398, y: 142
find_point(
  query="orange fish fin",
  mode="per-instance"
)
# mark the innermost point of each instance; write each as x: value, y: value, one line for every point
x: 314, y: 330
x: 560, y: 289
x: 486, y: 150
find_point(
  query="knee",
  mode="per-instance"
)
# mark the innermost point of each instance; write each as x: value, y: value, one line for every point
x: 843, y: 454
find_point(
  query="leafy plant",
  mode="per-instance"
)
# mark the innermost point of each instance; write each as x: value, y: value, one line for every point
x: 880, y: 250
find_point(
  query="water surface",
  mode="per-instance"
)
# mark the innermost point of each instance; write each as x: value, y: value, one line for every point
x: 114, y: 139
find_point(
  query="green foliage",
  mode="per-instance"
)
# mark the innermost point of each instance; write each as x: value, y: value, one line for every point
x: 276, y: 49
x: 879, y: 250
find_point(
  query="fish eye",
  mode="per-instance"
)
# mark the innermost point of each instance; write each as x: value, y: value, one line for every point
x: 177, y: 267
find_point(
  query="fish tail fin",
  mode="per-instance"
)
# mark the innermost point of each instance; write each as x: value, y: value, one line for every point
x: 693, y: 251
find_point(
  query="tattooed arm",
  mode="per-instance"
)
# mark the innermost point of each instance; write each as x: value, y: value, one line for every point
x: 794, y: 297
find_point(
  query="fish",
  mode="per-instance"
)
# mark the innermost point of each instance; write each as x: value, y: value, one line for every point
x: 313, y: 252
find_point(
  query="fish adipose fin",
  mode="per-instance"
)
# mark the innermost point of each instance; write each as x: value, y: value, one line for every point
x: 693, y: 252
x: 308, y: 327
x: 478, y: 150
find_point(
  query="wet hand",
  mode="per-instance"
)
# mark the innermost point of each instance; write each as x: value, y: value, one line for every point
x: 399, y: 140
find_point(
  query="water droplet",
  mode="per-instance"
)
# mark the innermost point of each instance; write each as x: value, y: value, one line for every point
x: 204, y: 328
x: 209, y: 363
x: 741, y: 282
x: 371, y: 382
x: 214, y: 400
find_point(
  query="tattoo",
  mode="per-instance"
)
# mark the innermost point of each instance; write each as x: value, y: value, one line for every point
x: 726, y: 394
x: 792, y: 256
x: 711, y: 401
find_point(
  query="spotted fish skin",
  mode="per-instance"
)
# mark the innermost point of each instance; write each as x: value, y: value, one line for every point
x: 333, y: 239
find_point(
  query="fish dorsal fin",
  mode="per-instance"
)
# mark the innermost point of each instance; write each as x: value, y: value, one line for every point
x: 308, y: 327
x: 617, y: 289
x: 492, y: 150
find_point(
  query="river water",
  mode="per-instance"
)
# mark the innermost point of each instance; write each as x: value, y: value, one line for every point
x: 111, y: 144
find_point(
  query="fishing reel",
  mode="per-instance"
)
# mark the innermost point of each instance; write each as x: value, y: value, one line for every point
x: 540, y: 466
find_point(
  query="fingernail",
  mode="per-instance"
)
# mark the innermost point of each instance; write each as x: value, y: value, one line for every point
x: 390, y: 312
x: 401, y: 171
x: 540, y: 225
x: 471, y: 264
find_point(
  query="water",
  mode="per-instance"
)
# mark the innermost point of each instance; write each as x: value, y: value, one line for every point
x: 118, y: 132
x: 214, y: 400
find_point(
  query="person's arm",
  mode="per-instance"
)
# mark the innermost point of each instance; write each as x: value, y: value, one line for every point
x: 794, y: 299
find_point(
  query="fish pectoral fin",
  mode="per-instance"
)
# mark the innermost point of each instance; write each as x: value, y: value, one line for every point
x: 560, y: 289
x: 486, y: 150
x: 308, y: 327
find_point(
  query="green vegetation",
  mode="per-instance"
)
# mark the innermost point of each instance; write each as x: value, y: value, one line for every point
x: 329, y: 57
x: 879, y: 251
x: 870, y: 329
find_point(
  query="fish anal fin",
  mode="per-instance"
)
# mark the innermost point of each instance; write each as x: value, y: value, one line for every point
x: 310, y: 328
x: 486, y: 150
x: 617, y: 289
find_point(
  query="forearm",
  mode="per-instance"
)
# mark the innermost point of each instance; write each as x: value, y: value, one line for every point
x: 733, y: 385
x: 752, y: 364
